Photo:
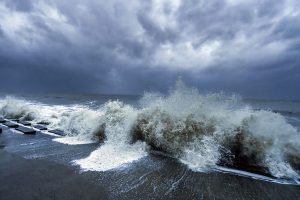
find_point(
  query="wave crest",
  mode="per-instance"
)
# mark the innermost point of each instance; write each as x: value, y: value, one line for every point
x: 202, y: 131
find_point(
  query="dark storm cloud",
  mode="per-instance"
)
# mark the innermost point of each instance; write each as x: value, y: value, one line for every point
x: 248, y: 47
x: 1, y: 32
x: 19, y: 5
x: 288, y: 28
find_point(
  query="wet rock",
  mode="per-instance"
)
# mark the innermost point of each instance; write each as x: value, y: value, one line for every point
x: 40, y: 127
x: 11, y: 125
x: 25, y: 123
x: 26, y: 130
x: 43, y: 123
x: 2, y: 120
x: 57, y: 132
x: 100, y: 133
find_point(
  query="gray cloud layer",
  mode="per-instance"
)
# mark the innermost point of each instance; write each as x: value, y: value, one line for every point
x: 250, y: 47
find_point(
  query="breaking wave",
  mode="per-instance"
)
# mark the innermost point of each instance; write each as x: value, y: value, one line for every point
x: 201, y: 131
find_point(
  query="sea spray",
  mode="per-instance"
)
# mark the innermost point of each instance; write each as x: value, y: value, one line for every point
x: 117, y: 149
x: 11, y: 107
x: 75, y: 120
x: 206, y: 131
x: 202, y: 131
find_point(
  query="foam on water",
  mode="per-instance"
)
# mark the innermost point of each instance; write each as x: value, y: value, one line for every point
x: 74, y: 140
x: 257, y: 176
x: 202, y: 131
x: 112, y: 156
x: 117, y: 149
x: 75, y: 120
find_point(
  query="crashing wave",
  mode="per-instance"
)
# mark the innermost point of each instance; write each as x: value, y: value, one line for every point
x: 202, y: 131
x: 75, y: 120
x: 206, y: 131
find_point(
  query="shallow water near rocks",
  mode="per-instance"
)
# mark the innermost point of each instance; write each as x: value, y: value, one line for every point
x: 197, y: 130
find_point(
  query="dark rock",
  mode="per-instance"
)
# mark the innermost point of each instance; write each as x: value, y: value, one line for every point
x: 2, y: 120
x: 100, y: 133
x: 57, y: 132
x: 0, y: 130
x: 11, y: 125
x: 25, y: 123
x: 40, y: 127
x: 26, y: 130
x: 13, y: 119
x: 43, y: 123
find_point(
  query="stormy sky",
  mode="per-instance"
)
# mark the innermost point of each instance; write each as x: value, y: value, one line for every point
x: 250, y: 47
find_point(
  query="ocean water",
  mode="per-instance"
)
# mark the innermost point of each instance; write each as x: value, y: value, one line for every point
x: 204, y: 132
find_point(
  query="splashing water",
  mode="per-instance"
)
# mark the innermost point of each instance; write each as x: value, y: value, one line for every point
x: 202, y: 131
x: 117, y: 150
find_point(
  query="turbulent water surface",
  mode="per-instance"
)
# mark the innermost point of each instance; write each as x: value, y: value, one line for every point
x: 205, y: 132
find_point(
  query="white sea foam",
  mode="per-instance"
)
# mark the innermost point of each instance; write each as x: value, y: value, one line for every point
x: 112, y: 156
x: 75, y: 120
x: 200, y: 130
x: 117, y: 150
x: 74, y: 140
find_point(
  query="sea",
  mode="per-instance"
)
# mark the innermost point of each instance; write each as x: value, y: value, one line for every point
x: 204, y: 132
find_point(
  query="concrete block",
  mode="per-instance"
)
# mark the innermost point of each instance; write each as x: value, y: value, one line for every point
x: 2, y: 120
x: 13, y: 119
x: 40, y: 127
x: 57, y: 132
x: 11, y: 125
x: 26, y: 130
x: 25, y: 123
x: 43, y: 123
